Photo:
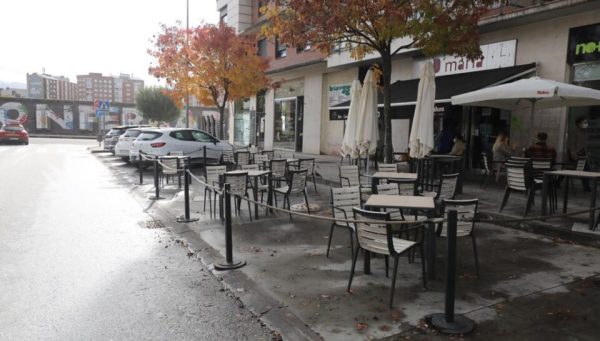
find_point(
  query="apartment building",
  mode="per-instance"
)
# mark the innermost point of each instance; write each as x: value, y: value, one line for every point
x: 121, y: 89
x: 555, y: 39
x: 44, y: 86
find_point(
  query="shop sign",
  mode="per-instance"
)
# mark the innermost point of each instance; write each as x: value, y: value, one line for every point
x: 338, y: 94
x: 494, y: 56
x: 584, y: 44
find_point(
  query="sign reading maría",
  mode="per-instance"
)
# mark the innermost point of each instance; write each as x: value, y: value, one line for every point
x: 494, y: 56
x: 584, y: 44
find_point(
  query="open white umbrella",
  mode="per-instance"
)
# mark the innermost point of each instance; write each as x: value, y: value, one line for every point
x: 349, y: 147
x: 366, y: 129
x: 538, y: 92
x: 420, y: 141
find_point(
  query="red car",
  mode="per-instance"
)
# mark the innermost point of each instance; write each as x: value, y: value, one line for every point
x: 14, y: 133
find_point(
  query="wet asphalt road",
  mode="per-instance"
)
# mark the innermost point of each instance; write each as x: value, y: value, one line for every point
x: 76, y: 264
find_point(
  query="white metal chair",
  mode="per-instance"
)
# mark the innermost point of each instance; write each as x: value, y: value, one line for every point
x: 211, y: 177
x: 261, y: 160
x: 238, y: 188
x: 296, y: 183
x: 518, y: 178
x: 388, y: 167
x: 278, y: 169
x: 242, y: 158
x: 309, y: 164
x: 465, y: 225
x: 227, y: 158
x: 376, y: 237
x: 349, y: 176
x: 343, y: 200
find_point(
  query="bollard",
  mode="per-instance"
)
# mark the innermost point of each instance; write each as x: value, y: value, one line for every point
x: 204, y: 155
x: 156, y: 184
x: 140, y: 167
x: 186, y: 188
x: 179, y: 175
x: 448, y: 322
x: 229, y: 263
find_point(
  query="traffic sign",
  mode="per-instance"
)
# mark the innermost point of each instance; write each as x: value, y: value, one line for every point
x: 104, y: 105
x: 100, y: 113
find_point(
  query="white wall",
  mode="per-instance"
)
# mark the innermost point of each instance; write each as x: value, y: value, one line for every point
x: 332, y: 132
x: 269, y: 118
x: 313, y: 97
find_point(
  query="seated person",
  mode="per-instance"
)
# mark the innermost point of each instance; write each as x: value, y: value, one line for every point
x: 541, y: 149
x: 458, y: 148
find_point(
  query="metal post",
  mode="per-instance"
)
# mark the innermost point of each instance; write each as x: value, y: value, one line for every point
x: 204, y: 155
x: 448, y: 322
x: 186, y: 218
x: 178, y: 174
x: 156, y: 184
x: 229, y: 263
x: 140, y: 167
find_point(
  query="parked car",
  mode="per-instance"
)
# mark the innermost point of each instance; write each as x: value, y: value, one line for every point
x: 112, y: 137
x: 125, y: 142
x: 13, y: 133
x: 162, y: 141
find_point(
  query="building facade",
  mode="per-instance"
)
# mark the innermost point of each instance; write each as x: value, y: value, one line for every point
x: 556, y: 40
x: 44, y: 86
x: 121, y: 89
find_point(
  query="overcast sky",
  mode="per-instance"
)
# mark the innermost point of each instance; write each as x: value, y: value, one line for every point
x: 71, y: 37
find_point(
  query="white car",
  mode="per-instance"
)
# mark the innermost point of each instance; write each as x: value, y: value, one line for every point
x: 162, y: 141
x: 125, y: 142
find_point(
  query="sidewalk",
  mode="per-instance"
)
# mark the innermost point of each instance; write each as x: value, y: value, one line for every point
x: 531, y: 286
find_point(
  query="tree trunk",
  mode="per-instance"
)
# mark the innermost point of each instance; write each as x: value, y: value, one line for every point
x: 221, y: 116
x: 387, y: 109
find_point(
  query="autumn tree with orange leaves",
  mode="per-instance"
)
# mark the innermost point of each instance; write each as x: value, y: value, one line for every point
x: 385, y: 27
x: 211, y: 62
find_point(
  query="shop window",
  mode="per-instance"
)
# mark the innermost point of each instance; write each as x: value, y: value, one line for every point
x: 262, y: 48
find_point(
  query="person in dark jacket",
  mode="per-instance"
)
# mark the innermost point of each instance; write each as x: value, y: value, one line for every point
x: 540, y: 149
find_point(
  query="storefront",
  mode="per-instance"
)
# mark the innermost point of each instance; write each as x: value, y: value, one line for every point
x: 583, y: 56
x: 288, y: 116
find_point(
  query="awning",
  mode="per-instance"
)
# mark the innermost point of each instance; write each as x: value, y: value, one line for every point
x: 404, y: 93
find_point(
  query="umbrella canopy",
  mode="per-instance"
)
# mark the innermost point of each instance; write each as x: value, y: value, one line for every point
x: 538, y: 92
x: 421, y: 132
x: 366, y: 128
x: 349, y: 147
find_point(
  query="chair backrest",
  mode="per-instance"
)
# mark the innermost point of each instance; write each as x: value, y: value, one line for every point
x: 485, y: 162
x: 581, y: 160
x: 387, y: 167
x: 242, y: 158
x: 260, y: 158
x: 518, y: 160
x: 448, y: 186
x: 349, y: 176
x: 297, y: 180
x: 403, y: 166
x: 253, y: 149
x: 278, y: 167
x: 213, y: 172
x: 517, y: 176
x: 253, y: 166
x: 169, y: 165
x: 308, y: 164
x: 374, y: 236
x: 466, y: 211
x: 269, y: 153
x: 345, y: 199
x: 227, y: 156
x: 541, y: 164
x: 388, y: 189
x: 238, y: 183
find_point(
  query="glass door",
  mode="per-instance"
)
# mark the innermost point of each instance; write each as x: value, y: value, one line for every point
x: 285, y: 123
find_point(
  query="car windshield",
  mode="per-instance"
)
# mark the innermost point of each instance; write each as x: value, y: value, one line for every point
x: 202, y: 136
x: 149, y: 135
x: 115, y: 132
x: 12, y: 128
x: 132, y: 133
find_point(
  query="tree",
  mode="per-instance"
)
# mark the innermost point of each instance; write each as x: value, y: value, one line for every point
x: 156, y: 104
x: 210, y: 62
x: 385, y: 27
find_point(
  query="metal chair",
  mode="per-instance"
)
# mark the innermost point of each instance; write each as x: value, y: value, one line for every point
x: 211, y: 177
x: 170, y: 168
x: 343, y: 200
x: 269, y: 153
x: 261, y: 160
x: 238, y: 187
x: 242, y: 158
x: 296, y: 183
x: 387, y: 167
x: 445, y: 189
x: 376, y: 237
x: 278, y: 169
x: 579, y: 166
x: 518, y: 178
x: 227, y: 158
x: 465, y: 225
x: 309, y: 164
x: 349, y: 176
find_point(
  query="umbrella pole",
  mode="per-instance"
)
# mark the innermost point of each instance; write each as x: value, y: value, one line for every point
x: 531, y: 115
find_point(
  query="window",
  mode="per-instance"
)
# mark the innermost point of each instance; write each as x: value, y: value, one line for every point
x: 223, y: 14
x: 262, y: 48
x: 202, y: 136
x: 183, y: 135
x: 149, y: 135
x: 281, y: 49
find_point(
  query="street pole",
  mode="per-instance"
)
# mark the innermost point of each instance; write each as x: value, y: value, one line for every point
x: 187, y: 97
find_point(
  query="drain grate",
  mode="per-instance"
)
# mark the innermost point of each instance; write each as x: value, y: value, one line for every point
x: 152, y: 224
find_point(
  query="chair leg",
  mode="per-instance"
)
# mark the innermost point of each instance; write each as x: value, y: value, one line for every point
x: 352, y: 241
x: 306, y: 202
x: 249, y: 210
x: 475, y: 254
x: 530, y: 194
x: 329, y: 241
x: 394, y: 280
x: 315, y: 181
x: 287, y: 197
x: 352, y: 268
x: 387, y: 266
x: 505, y: 199
x: 205, y: 190
x: 422, y: 251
